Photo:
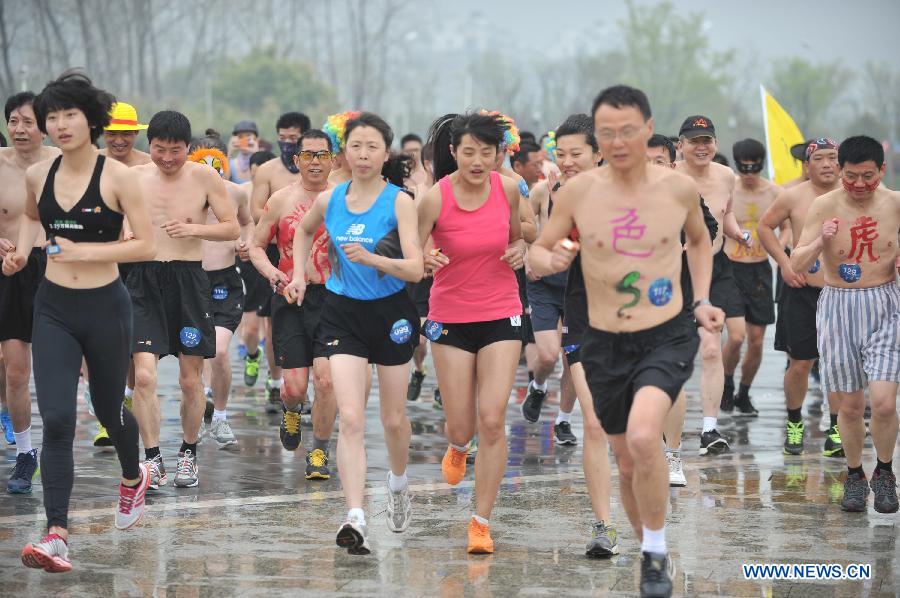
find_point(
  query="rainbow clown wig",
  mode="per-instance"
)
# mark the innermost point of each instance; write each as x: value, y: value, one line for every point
x: 511, y: 137
x: 550, y: 146
x: 335, y: 125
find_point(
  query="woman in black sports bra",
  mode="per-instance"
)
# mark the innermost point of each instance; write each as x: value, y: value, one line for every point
x: 82, y: 308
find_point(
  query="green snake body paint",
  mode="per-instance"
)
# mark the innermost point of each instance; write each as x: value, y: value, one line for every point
x: 625, y: 286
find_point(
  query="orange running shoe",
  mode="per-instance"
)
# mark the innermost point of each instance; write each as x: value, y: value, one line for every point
x: 480, y: 541
x: 454, y: 465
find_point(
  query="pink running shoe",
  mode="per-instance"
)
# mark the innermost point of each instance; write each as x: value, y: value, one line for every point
x: 50, y: 554
x: 131, y: 501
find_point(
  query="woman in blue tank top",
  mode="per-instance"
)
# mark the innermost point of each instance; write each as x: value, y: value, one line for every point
x: 368, y: 317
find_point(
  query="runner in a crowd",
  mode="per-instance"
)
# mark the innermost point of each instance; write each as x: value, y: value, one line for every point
x: 367, y: 316
x: 82, y: 308
x: 335, y: 126
x: 244, y: 143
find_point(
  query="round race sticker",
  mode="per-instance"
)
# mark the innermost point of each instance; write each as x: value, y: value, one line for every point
x: 190, y: 336
x: 850, y: 272
x: 815, y: 267
x: 219, y: 293
x: 433, y: 330
x: 660, y: 291
x: 401, y: 331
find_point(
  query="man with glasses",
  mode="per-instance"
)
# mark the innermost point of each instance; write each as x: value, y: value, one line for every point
x: 697, y: 141
x: 296, y: 343
x: 752, y: 273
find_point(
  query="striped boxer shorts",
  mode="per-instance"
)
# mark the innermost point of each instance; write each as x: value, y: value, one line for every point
x: 858, y: 332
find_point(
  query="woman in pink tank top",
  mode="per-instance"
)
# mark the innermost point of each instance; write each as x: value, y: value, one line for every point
x: 474, y: 322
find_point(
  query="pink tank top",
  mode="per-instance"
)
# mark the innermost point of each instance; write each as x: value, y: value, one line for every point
x: 476, y: 286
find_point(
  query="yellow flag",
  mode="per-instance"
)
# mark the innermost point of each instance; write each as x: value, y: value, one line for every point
x: 781, y: 134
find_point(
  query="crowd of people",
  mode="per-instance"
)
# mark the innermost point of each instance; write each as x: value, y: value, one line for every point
x: 619, y: 251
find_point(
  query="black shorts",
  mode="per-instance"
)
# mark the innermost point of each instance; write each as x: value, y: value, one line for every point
x: 795, y: 330
x: 547, y: 303
x: 295, y: 330
x: 723, y: 292
x: 474, y: 336
x: 575, y: 310
x: 266, y: 295
x: 617, y: 366
x: 420, y: 293
x: 172, y: 309
x: 385, y: 331
x: 17, y: 297
x: 125, y: 270
x: 227, y: 293
x: 754, y: 283
x: 256, y: 287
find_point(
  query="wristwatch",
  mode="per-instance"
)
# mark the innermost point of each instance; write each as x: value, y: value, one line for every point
x: 700, y: 302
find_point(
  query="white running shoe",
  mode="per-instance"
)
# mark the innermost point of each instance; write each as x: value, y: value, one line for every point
x: 399, y: 508
x: 676, y: 470
x: 131, y: 500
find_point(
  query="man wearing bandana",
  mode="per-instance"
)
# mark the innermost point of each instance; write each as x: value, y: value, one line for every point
x: 795, y: 330
x: 852, y: 231
x: 270, y: 177
x: 752, y: 273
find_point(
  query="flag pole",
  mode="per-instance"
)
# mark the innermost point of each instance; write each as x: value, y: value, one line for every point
x: 770, y: 164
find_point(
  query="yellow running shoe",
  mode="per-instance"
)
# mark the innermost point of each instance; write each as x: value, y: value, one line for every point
x: 101, y: 438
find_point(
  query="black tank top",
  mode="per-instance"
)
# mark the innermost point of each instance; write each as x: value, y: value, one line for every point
x: 89, y: 221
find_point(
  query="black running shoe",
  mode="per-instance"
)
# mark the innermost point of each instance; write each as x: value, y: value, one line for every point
x: 438, y: 401
x: 745, y: 407
x: 727, y: 404
x: 531, y: 408
x: 856, y: 491
x: 563, y: 433
x: 712, y: 443
x: 884, y: 486
x: 657, y: 572
x: 290, y: 429
x: 317, y: 465
x: 273, y: 401
x: 793, y: 441
x: 415, y: 386
x: 604, y: 541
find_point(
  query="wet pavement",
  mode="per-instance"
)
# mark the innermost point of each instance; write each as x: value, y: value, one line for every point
x: 254, y: 526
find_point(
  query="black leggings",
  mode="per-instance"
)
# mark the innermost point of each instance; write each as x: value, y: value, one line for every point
x: 69, y: 324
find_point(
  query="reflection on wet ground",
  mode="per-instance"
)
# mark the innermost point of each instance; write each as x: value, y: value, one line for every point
x: 254, y: 526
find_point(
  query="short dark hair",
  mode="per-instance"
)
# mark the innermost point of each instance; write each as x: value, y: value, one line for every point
x: 75, y: 90
x: 260, y: 158
x: 314, y: 134
x: 293, y: 120
x: 859, y: 149
x: 527, y: 136
x: 618, y: 96
x: 370, y: 119
x: 525, y: 147
x: 578, y: 124
x: 211, y: 140
x: 409, y: 137
x: 169, y: 125
x: 17, y: 100
x: 658, y: 140
x: 748, y: 149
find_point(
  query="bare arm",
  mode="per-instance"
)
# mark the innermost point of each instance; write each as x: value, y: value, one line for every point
x: 812, y: 241
x: 552, y: 252
x: 29, y: 228
x: 699, y: 259
x: 302, y: 246
x: 261, y: 192
x: 527, y: 221
x: 263, y: 234
x: 730, y: 226
x: 775, y: 217
x: 227, y: 228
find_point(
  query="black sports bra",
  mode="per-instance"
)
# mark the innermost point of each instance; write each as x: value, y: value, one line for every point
x: 89, y: 221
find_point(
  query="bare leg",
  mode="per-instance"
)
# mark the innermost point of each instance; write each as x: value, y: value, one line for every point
x: 392, y: 382
x: 731, y: 352
x: 349, y: 375
x: 712, y: 377
x: 146, y: 403
x: 853, y: 430
x: 296, y: 385
x: 595, y: 459
x: 883, y: 396
x: 796, y: 382
x: 674, y: 424
x: 753, y: 356
x: 220, y: 369
x: 325, y: 407
x: 17, y: 359
x: 651, y: 476
x: 193, y: 402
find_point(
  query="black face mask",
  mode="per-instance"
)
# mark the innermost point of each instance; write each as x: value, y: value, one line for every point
x: 288, y: 149
x: 753, y: 168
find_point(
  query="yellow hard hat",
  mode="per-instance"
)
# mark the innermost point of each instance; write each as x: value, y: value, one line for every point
x: 123, y: 117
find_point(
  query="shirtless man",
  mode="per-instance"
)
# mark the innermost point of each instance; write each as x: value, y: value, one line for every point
x: 171, y: 295
x: 17, y: 291
x: 297, y: 347
x: 697, y: 141
x: 856, y: 231
x: 225, y: 282
x: 411, y: 145
x: 120, y: 135
x: 639, y: 348
x: 752, y: 273
x: 272, y: 176
x: 796, y: 325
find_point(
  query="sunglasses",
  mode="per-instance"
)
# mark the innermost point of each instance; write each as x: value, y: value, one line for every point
x: 749, y: 168
x: 307, y: 156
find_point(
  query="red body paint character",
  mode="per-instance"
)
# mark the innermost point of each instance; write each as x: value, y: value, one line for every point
x: 862, y: 235
x: 287, y: 227
x: 630, y: 231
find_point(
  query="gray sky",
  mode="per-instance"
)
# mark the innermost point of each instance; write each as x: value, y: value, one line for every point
x: 773, y: 28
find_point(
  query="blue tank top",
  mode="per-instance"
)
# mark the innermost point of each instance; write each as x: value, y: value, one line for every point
x: 376, y: 230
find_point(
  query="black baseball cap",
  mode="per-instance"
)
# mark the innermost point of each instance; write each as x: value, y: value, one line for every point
x: 798, y: 150
x: 245, y: 126
x: 697, y: 126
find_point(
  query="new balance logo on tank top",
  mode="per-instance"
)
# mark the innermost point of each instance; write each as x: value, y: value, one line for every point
x: 376, y: 230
